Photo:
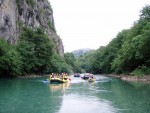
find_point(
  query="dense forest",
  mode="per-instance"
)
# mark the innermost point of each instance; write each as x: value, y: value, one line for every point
x: 127, y: 53
x: 33, y: 54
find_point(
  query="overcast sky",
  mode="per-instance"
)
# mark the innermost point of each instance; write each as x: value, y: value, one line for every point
x: 93, y: 23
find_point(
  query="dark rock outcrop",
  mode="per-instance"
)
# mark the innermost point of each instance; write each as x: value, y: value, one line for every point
x: 31, y: 13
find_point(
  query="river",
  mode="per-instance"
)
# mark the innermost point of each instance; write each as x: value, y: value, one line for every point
x: 105, y: 95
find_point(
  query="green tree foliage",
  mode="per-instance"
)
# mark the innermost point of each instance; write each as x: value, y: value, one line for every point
x: 34, y: 54
x: 10, y: 60
x: 36, y: 50
x: 51, y: 26
x: 128, y: 53
x: 30, y: 2
x: 59, y: 65
x: 85, y: 60
x: 105, y: 55
x: 141, y: 70
x: 72, y: 62
x: 38, y: 55
x: 135, y: 49
x: 145, y: 13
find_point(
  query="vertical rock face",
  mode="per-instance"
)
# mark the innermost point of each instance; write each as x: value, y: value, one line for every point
x: 31, y: 13
x: 8, y: 20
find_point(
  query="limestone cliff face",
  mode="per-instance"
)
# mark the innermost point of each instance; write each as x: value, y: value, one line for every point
x: 31, y: 13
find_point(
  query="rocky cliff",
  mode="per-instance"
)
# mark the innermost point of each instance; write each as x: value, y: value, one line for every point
x: 32, y: 13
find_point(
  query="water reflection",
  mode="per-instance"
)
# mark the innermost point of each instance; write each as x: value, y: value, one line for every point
x: 77, y: 104
x: 58, y: 87
x: 127, y: 97
x: 84, y: 97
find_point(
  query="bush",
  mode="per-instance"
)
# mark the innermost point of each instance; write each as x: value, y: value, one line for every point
x: 30, y: 2
x: 58, y: 65
x: 51, y: 26
x: 141, y: 71
x: 10, y: 60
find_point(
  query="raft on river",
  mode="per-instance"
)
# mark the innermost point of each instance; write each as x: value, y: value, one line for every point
x: 59, y: 79
x: 87, y: 76
x: 91, y: 79
x: 76, y: 75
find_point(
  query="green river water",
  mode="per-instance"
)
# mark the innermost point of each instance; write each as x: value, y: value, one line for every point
x: 105, y: 95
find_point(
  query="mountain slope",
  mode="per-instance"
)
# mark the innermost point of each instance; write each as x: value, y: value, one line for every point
x: 80, y: 52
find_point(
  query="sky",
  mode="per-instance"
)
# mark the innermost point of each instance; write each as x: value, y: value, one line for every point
x: 93, y: 23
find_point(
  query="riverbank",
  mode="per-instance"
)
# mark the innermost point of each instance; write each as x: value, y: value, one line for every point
x: 32, y: 76
x: 145, y: 79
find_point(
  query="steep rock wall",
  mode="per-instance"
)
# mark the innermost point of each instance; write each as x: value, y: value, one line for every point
x: 31, y: 13
x: 8, y: 29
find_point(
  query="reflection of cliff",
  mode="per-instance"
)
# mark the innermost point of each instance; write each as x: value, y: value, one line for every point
x: 58, y: 87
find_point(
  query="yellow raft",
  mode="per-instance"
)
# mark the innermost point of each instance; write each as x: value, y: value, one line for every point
x: 58, y: 80
x: 91, y: 79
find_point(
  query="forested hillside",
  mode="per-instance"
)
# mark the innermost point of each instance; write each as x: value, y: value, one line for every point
x: 34, y: 54
x: 127, y: 53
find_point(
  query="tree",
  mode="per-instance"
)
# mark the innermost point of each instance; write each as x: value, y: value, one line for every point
x: 72, y: 62
x: 36, y: 50
x: 145, y: 13
x: 10, y: 60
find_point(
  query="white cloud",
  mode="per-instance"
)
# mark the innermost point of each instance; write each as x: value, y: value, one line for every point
x: 93, y: 23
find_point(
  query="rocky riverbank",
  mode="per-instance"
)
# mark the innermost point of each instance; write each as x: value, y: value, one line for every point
x: 145, y: 79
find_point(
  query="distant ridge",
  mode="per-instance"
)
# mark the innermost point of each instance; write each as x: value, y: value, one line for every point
x: 79, y: 52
